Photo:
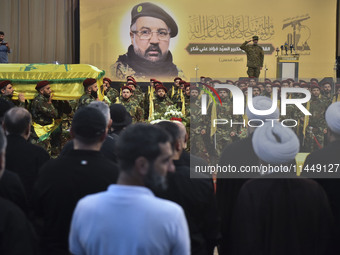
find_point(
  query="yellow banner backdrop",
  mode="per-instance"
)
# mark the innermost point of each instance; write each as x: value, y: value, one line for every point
x: 209, y: 36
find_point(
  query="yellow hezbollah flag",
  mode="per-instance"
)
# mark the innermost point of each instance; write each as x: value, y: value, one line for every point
x: 66, y: 80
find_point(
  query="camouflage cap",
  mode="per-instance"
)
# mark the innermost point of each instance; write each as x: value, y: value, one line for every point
x: 255, y: 37
x: 151, y: 10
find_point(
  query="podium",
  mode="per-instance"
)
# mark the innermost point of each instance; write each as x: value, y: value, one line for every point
x: 287, y: 66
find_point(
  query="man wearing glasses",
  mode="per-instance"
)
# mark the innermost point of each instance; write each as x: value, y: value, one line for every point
x: 148, y: 55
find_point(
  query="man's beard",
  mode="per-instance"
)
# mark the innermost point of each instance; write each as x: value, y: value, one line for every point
x: 193, y: 98
x: 161, y: 97
x: 94, y: 94
x: 155, y: 182
x: 105, y: 92
x: 47, y: 96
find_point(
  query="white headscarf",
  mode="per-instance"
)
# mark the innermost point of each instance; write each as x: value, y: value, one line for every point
x: 333, y: 117
x: 275, y: 144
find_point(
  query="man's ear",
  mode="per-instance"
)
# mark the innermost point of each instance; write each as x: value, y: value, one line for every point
x: 178, y: 145
x: 142, y: 165
x: 131, y: 37
x: 72, y: 132
x: 109, y: 125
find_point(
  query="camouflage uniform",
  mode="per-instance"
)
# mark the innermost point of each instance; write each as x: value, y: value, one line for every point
x: 198, y: 122
x: 139, y: 96
x: 176, y: 98
x: 316, y: 124
x: 255, y: 56
x: 328, y: 97
x: 160, y: 104
x: 133, y: 108
x: 85, y: 99
x: 112, y: 95
x: 43, y: 113
x: 12, y: 102
x: 223, y: 132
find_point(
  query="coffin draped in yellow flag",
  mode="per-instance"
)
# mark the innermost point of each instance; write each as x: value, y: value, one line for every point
x: 66, y: 80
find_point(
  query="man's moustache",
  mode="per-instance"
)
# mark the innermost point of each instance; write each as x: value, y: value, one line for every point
x: 153, y: 48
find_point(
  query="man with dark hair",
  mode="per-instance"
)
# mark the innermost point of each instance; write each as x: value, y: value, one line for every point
x: 63, y: 181
x: 16, y: 233
x: 128, y: 218
x: 200, y: 210
x: 176, y: 93
x: 7, y: 90
x: 46, y: 117
x: 44, y: 114
x: 327, y: 90
x: 110, y: 93
x: 22, y: 157
x: 131, y: 104
x: 90, y: 92
x: 4, y: 49
x: 316, y: 124
x: 148, y: 55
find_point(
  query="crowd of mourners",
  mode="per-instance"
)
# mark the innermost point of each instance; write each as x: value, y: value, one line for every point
x: 110, y: 173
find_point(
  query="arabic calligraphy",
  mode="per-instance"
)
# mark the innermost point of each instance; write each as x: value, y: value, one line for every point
x: 223, y: 49
x: 228, y: 27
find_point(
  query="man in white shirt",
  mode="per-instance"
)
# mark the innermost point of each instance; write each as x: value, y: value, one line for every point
x: 128, y: 218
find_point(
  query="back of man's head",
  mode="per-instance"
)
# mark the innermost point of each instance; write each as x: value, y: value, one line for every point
x: 89, y: 126
x: 103, y: 108
x: 172, y: 129
x: 140, y: 140
x: 17, y: 121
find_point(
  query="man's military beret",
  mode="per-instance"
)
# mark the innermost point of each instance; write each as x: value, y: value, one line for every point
x: 126, y: 87
x: 158, y: 87
x: 88, y: 82
x: 151, y: 10
x: 4, y: 84
x: 41, y: 84
x: 107, y: 79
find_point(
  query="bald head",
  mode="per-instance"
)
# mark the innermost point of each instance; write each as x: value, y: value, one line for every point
x: 17, y: 121
x: 182, y: 133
